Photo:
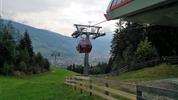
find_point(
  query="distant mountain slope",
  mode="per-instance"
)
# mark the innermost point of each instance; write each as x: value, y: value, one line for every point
x: 46, y: 42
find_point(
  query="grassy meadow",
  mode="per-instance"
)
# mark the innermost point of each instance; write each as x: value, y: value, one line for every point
x: 48, y: 86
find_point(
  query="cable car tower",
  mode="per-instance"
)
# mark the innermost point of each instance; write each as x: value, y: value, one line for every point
x: 85, y: 45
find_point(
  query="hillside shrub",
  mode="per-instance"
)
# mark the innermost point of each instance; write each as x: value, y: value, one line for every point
x: 7, y: 69
x: 145, y: 51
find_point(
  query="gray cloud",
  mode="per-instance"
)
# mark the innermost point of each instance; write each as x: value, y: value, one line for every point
x: 56, y: 15
x: 41, y: 5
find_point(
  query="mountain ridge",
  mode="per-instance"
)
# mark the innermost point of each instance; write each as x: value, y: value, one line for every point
x: 46, y: 42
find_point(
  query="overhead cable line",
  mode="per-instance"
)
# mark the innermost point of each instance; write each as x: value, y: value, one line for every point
x: 100, y: 22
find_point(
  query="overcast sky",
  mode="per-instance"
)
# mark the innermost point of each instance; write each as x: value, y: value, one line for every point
x: 56, y: 15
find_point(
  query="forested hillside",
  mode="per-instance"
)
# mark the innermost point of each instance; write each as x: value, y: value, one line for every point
x: 135, y: 43
x: 47, y: 42
x: 16, y: 55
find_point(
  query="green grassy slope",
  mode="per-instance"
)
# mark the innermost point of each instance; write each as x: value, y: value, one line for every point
x: 162, y: 71
x: 127, y: 81
x: 48, y: 86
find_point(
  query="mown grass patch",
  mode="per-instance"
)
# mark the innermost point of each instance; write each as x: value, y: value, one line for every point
x: 47, y: 86
x: 162, y: 71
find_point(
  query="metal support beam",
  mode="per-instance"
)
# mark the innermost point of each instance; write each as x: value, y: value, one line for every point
x: 86, y: 65
x: 86, y: 60
x: 82, y: 30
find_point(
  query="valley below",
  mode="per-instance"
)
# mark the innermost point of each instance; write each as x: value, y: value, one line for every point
x: 48, y: 42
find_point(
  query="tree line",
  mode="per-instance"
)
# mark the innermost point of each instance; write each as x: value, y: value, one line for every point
x: 134, y: 43
x: 16, y: 53
x: 100, y: 68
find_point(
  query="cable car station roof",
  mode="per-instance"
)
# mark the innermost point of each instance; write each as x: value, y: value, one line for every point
x: 160, y: 12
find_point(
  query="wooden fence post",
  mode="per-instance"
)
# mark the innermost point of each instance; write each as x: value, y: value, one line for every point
x: 106, y: 86
x: 66, y: 80
x: 90, y: 86
x: 75, y: 83
x: 81, y: 89
x: 139, y: 93
x: 70, y: 79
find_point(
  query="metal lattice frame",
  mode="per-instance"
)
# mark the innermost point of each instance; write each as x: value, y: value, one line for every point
x: 87, y: 30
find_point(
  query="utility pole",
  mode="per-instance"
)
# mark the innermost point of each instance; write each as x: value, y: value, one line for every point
x: 88, y: 31
x: 55, y: 54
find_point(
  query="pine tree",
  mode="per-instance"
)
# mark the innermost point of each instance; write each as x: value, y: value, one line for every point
x: 124, y: 43
x: 2, y: 55
x: 8, y: 50
x: 23, y: 66
x: 25, y: 42
x: 9, y: 44
x: 18, y: 56
x: 145, y: 51
x: 40, y: 61
x: 46, y: 64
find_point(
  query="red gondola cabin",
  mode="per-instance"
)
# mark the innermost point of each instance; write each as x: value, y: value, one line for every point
x: 84, y: 46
